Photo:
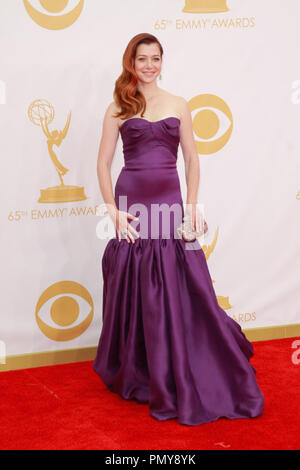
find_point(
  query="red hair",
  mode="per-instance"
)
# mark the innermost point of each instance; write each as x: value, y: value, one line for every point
x: 126, y: 95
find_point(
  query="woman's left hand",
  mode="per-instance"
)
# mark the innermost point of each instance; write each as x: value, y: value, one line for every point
x: 197, y: 220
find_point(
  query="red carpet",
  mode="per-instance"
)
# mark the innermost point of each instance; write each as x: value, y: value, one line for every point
x: 68, y: 407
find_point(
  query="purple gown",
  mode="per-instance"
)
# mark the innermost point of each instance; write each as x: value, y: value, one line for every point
x: 165, y: 340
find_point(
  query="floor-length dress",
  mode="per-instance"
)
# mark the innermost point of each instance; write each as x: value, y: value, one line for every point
x: 165, y: 340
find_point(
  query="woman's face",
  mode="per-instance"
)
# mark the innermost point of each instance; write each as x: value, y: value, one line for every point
x: 147, y: 62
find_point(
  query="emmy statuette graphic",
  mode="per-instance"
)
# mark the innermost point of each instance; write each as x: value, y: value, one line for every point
x: 205, y: 6
x: 41, y: 113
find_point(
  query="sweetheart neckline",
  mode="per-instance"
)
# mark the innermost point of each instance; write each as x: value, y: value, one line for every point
x: 151, y: 122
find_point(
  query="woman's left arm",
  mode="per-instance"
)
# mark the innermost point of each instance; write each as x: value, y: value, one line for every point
x: 191, y: 162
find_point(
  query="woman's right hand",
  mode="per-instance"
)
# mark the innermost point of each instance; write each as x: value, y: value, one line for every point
x: 120, y: 219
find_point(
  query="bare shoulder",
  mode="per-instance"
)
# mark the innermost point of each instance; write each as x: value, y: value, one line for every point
x: 175, y: 102
x: 183, y: 106
x: 183, y: 110
x: 170, y: 96
x: 112, y: 109
x: 109, y: 117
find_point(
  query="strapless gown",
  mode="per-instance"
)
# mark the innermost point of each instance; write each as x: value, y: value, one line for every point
x: 165, y: 340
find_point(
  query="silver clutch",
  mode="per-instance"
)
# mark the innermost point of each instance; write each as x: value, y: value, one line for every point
x: 185, y: 230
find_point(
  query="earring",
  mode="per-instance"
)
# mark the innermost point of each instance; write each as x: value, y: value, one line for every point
x: 160, y: 77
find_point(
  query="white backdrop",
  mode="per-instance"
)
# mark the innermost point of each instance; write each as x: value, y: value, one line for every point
x: 247, y: 58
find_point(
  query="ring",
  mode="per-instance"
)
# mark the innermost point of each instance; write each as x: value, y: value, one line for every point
x: 125, y: 231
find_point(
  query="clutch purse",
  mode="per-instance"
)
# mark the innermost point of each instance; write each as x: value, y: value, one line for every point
x: 185, y: 230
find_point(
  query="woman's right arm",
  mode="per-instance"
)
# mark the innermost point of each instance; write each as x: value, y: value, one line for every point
x: 107, y: 148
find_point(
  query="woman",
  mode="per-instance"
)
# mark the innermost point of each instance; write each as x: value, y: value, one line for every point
x: 165, y: 340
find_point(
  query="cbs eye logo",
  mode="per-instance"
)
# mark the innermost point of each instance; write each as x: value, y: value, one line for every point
x: 212, y: 122
x: 54, y: 15
x: 66, y: 319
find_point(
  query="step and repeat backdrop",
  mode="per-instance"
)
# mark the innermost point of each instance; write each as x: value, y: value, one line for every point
x: 236, y: 62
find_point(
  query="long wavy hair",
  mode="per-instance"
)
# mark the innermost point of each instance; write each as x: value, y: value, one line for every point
x: 126, y: 95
